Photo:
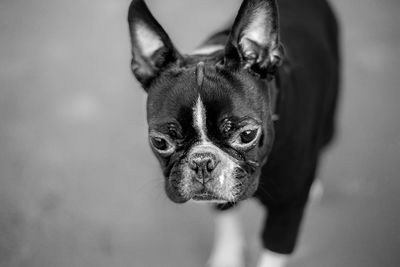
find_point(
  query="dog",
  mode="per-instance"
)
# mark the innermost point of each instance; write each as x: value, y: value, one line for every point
x: 247, y: 115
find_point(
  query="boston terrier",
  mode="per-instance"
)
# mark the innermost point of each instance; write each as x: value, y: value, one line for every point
x: 245, y: 116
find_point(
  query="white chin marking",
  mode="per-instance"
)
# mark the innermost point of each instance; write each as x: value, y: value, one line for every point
x: 228, y: 171
x: 222, y: 179
x: 206, y: 50
x: 228, y: 242
x: 148, y: 41
x: 271, y: 259
x: 199, y: 119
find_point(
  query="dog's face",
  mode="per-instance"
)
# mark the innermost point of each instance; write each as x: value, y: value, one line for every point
x: 209, y: 117
x: 210, y: 139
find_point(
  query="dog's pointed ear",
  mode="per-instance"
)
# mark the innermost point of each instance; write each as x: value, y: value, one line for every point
x: 254, y: 41
x: 152, y: 50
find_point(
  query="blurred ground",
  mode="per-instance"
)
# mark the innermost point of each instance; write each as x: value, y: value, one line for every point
x: 79, y: 187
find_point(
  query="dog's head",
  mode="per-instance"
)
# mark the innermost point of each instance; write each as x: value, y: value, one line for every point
x: 209, y: 116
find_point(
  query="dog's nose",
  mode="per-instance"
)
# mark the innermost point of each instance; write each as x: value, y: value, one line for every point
x: 203, y: 164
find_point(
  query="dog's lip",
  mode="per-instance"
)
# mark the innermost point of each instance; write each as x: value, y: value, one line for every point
x: 204, y: 195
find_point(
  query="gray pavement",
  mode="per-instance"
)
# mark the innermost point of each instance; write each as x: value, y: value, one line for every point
x: 80, y: 188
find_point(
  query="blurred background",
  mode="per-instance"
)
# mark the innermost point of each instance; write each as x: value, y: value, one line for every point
x: 80, y: 187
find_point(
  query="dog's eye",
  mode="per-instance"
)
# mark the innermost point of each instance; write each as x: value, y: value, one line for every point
x: 162, y: 145
x: 248, y: 136
x: 245, y: 139
x: 159, y: 143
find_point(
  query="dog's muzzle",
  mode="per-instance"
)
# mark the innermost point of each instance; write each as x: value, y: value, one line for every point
x: 209, y: 173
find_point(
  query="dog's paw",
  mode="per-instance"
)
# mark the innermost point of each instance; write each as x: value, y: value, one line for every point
x: 271, y: 259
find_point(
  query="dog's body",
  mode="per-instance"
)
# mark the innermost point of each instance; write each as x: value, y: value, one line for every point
x: 246, y: 115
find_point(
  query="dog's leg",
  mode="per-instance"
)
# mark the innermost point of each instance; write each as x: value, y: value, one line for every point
x: 271, y: 259
x: 228, y: 243
x: 280, y: 232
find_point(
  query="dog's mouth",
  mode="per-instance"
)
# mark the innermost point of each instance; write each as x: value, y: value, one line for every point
x: 204, y: 195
